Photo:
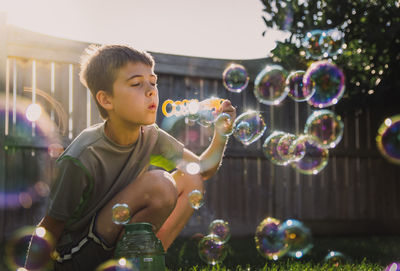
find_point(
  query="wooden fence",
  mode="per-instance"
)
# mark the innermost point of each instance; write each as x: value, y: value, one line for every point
x: 357, y: 193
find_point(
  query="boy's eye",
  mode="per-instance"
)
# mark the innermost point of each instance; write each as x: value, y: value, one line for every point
x: 135, y: 84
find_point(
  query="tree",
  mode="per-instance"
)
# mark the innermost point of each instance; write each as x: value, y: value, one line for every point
x: 371, y: 29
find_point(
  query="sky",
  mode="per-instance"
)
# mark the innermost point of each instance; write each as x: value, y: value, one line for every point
x: 227, y: 29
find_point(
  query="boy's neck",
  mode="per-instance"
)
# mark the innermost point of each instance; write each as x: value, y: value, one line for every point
x: 120, y: 134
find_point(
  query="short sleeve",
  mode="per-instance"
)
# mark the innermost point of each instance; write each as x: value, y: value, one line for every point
x: 69, y: 189
x: 167, y: 151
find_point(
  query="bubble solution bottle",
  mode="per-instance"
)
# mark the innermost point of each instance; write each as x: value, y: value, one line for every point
x: 140, y: 246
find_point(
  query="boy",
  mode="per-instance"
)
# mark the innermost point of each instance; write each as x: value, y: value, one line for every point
x: 107, y: 163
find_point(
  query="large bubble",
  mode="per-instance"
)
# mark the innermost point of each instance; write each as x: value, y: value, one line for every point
x: 196, y: 199
x: 211, y: 249
x: 220, y: 228
x: 270, y: 85
x: 298, y: 237
x: 296, y: 89
x: 249, y: 127
x: 40, y: 243
x: 388, y: 139
x: 315, y: 158
x: 327, y: 81
x: 326, y: 126
x: 235, y: 78
x: 270, y: 240
x: 270, y: 148
x: 313, y: 44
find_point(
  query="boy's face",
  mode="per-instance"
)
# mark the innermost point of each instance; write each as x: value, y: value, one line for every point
x: 135, y: 95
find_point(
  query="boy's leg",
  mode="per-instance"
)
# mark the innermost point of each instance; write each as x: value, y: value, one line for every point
x: 151, y: 198
x: 182, y: 212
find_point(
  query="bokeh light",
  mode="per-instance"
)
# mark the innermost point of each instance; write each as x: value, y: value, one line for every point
x: 211, y: 249
x: 270, y: 240
x: 193, y: 168
x: 220, y: 228
x: 116, y: 265
x: 121, y: 213
x: 270, y: 85
x: 388, y: 139
x: 40, y: 243
x: 296, y: 89
x: 315, y: 158
x: 298, y: 238
x: 235, y: 78
x: 270, y: 148
x: 196, y: 199
x: 393, y: 267
x: 249, y: 127
x: 326, y: 126
x: 327, y: 82
x: 33, y: 112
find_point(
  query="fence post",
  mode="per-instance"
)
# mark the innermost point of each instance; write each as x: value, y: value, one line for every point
x: 3, y: 61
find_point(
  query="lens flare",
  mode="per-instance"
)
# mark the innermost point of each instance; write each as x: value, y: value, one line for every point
x: 211, y: 249
x: 326, y: 126
x: 249, y: 127
x: 270, y: 240
x: 235, y: 78
x: 270, y: 85
x: 388, y: 139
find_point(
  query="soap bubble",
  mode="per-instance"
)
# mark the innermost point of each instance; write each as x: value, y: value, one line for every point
x: 270, y: 240
x: 315, y: 158
x: 207, y: 111
x: 121, y: 213
x: 269, y: 85
x: 40, y: 243
x: 220, y: 228
x: 393, y: 267
x: 298, y: 237
x: 196, y: 199
x: 249, y: 127
x: 205, y: 117
x: 223, y: 124
x: 211, y: 249
x: 335, y: 258
x: 327, y: 81
x: 235, y: 78
x: 388, y: 139
x: 296, y: 89
x: 326, y: 126
x: 117, y: 265
x: 270, y: 148
x: 313, y: 44
x: 332, y: 42
x: 284, y: 150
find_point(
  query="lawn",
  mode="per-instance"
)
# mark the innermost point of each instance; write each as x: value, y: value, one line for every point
x: 363, y: 253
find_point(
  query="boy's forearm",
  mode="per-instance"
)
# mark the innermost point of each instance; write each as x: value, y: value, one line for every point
x: 211, y: 158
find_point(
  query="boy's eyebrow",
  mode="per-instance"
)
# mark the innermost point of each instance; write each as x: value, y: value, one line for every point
x: 138, y: 75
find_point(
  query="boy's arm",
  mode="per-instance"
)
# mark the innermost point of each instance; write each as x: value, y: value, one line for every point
x: 210, y: 159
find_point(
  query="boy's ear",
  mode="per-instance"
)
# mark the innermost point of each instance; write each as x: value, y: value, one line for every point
x: 104, y: 100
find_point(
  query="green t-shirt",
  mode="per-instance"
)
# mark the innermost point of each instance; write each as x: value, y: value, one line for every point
x: 93, y: 169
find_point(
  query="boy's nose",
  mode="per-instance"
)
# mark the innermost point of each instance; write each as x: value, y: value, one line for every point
x: 152, y: 90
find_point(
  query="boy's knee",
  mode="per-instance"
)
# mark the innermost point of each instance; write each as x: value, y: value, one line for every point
x: 163, y: 189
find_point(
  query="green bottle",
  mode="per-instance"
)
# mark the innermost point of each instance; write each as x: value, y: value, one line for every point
x: 140, y: 246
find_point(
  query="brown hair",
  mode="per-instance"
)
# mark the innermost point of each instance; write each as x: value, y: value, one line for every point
x: 100, y: 66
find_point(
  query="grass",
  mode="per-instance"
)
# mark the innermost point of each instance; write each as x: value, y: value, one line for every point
x: 363, y: 254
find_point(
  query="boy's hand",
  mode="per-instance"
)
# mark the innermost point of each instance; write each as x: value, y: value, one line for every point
x: 225, y: 125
